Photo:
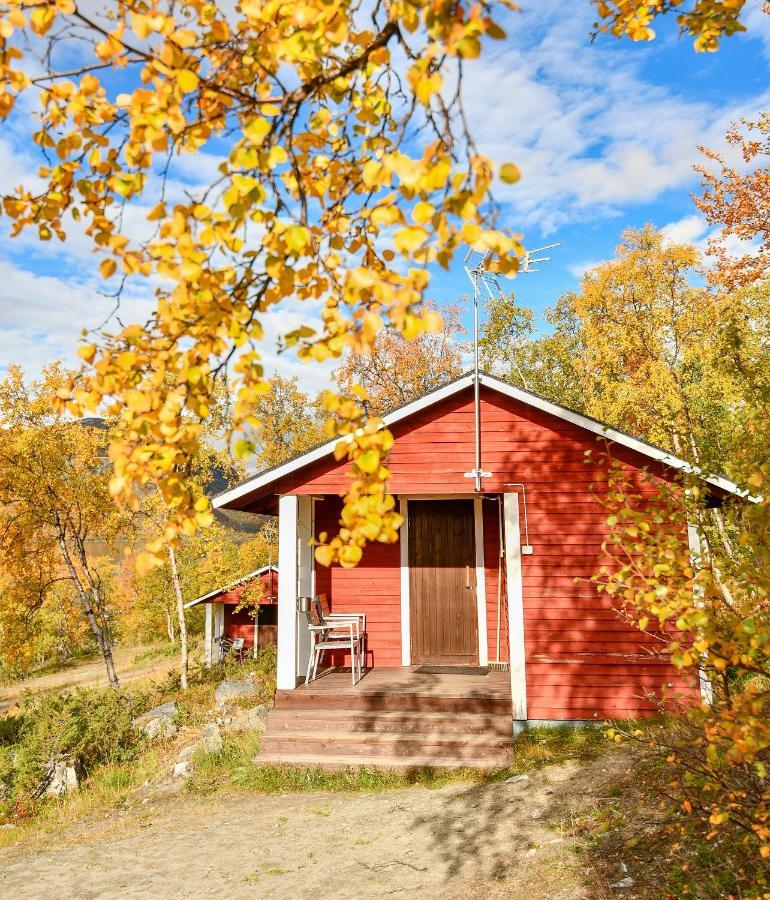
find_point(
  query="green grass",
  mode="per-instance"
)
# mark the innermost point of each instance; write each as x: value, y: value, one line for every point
x: 235, y: 768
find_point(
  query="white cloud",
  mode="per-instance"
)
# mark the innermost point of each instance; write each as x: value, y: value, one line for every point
x: 589, y: 130
x: 579, y: 269
x: 689, y: 230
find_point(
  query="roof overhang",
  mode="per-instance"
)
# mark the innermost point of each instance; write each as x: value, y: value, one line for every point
x: 208, y: 598
x: 233, y: 498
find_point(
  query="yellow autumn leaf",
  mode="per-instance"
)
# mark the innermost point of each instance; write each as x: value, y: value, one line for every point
x: 407, y: 240
x: 107, y: 267
x: 509, y: 173
x: 187, y: 80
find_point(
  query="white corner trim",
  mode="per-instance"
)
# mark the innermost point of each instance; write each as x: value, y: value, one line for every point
x: 481, y: 582
x: 515, y: 592
x: 403, y: 541
x: 694, y: 543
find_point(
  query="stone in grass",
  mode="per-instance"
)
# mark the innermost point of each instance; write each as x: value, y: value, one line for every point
x: 61, y: 778
x: 515, y: 779
x: 159, y: 721
x: 232, y: 689
x: 211, y: 742
x: 250, y: 720
x: 181, y: 769
x: 623, y: 883
x: 186, y: 753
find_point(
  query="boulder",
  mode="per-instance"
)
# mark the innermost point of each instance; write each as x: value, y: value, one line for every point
x: 181, y: 769
x: 61, y: 778
x: 159, y: 721
x: 211, y: 742
x: 249, y: 720
x: 232, y: 690
x: 186, y: 753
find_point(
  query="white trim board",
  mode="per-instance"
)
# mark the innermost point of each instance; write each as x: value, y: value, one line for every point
x: 515, y: 590
x: 264, y: 479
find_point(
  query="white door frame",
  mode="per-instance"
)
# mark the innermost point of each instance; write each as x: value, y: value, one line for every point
x: 481, y: 592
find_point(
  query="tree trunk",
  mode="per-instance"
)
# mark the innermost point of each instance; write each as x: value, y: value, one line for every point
x: 170, y: 626
x: 183, y: 654
x: 96, y: 618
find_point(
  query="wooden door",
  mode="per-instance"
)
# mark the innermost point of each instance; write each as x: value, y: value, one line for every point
x: 442, y: 583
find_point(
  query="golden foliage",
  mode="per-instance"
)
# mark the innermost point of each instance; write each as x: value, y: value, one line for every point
x: 324, y: 167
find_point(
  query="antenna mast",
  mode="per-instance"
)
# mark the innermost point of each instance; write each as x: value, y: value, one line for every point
x: 480, y: 269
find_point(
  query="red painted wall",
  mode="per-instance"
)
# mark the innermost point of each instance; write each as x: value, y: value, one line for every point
x: 372, y: 587
x: 582, y: 662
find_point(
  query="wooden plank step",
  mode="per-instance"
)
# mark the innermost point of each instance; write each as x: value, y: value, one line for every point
x: 418, y: 722
x: 390, y: 702
x: 341, y: 763
x: 393, y: 743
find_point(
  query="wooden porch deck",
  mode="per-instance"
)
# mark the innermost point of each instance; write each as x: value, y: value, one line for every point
x: 392, y: 719
x: 406, y: 680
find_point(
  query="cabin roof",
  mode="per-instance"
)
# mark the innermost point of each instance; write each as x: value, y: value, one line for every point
x: 259, y: 482
x: 234, y: 584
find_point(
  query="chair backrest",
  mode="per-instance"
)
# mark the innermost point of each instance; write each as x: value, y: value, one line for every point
x: 315, y: 614
x: 323, y: 603
x: 238, y: 643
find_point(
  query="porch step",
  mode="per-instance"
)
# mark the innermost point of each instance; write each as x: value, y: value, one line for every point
x: 459, y: 724
x: 388, y: 701
x: 395, y: 745
x: 340, y: 763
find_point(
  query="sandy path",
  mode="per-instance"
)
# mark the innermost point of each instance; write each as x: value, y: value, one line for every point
x: 91, y: 674
x: 502, y: 840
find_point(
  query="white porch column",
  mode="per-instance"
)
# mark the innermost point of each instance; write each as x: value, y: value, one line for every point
x: 513, y: 579
x: 295, y: 573
x: 208, y: 635
x: 219, y: 630
x: 306, y: 580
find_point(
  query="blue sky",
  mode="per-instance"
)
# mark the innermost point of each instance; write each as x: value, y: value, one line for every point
x: 605, y: 134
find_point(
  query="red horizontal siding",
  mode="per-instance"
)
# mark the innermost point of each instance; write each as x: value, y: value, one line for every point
x: 373, y: 587
x: 582, y: 660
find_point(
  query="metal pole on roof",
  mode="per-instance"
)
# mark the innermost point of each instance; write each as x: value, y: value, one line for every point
x: 484, y: 271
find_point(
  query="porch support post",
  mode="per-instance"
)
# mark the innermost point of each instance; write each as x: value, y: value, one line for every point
x: 514, y: 582
x: 694, y: 543
x: 208, y: 634
x: 481, y: 585
x: 306, y: 579
x: 406, y: 629
x: 219, y: 629
x: 295, y: 574
x: 286, y: 676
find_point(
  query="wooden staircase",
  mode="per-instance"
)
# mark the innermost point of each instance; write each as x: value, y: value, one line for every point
x: 386, y: 730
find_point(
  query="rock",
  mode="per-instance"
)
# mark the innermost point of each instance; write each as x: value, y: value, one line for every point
x: 211, y: 742
x: 8, y: 826
x: 250, y: 720
x: 536, y: 814
x: 158, y: 722
x: 62, y: 778
x: 181, y: 769
x: 515, y: 779
x: 232, y: 689
x: 623, y: 883
x: 159, y: 728
x: 186, y: 753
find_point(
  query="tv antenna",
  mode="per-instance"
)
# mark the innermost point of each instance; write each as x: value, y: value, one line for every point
x: 482, y: 269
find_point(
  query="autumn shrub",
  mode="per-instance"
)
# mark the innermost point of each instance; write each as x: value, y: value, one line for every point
x: 89, y: 725
x: 709, y: 606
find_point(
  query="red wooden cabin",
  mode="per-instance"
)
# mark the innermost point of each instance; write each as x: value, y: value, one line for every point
x: 225, y: 619
x: 492, y: 577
